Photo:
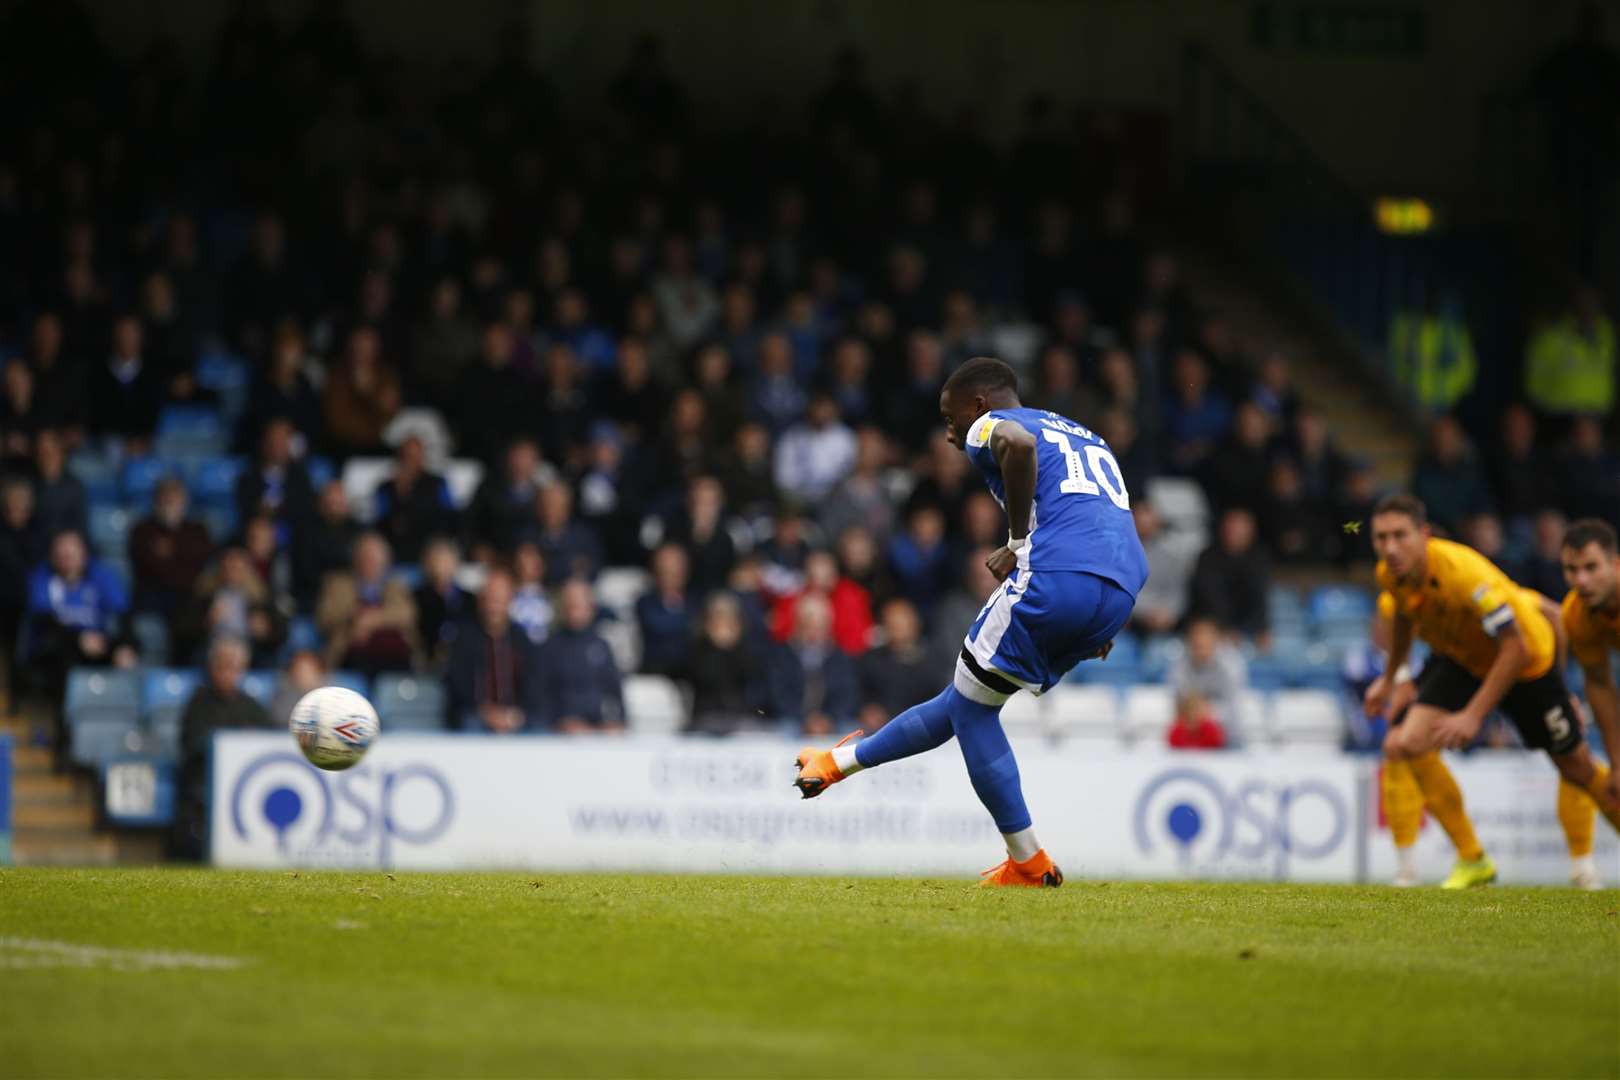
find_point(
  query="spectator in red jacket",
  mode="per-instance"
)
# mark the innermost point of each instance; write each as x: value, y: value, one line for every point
x: 1195, y: 726
x: 851, y: 604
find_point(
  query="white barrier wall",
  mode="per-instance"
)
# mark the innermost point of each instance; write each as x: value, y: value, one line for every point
x: 452, y: 802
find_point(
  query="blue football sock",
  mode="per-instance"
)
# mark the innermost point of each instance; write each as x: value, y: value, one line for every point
x: 990, y: 762
x: 918, y: 729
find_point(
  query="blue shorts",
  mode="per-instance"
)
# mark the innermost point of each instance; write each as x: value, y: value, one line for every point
x: 1035, y: 627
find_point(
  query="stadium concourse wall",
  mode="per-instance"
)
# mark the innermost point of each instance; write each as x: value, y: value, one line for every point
x: 642, y: 803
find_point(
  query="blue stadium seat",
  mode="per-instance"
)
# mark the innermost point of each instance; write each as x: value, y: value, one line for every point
x: 220, y: 520
x: 94, y: 742
x: 408, y: 703
x: 139, y: 478
x: 109, y: 528
x: 1269, y: 672
x: 1157, y: 655
x: 100, y: 692
x: 164, y: 698
x: 1285, y: 610
x: 152, y: 638
x: 320, y: 469
x: 301, y: 635
x: 409, y: 573
x: 214, y: 481
x: 349, y: 680
x: 1107, y: 673
x: 1333, y: 605
x: 197, y: 429
x: 98, y: 474
x: 260, y: 686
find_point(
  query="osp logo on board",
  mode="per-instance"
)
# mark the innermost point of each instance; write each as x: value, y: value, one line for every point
x: 281, y: 802
x: 1243, y: 825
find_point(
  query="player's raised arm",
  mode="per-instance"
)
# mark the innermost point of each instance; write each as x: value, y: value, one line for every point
x: 1013, y: 447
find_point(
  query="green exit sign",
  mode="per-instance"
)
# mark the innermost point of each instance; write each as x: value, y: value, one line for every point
x: 1365, y: 29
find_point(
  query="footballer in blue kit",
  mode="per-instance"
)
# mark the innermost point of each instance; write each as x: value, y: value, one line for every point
x: 1069, y: 573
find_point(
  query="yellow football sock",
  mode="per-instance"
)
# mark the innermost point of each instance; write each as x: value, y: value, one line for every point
x: 1403, y: 802
x: 1444, y: 800
x: 1578, y: 815
x: 1600, y: 777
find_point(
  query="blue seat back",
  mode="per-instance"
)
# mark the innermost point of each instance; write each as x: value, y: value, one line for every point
x: 260, y: 686
x: 92, y: 690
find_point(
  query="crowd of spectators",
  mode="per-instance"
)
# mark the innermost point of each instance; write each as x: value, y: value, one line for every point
x: 714, y: 355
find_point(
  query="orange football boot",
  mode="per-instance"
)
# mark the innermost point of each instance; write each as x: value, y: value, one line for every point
x: 817, y: 772
x: 1037, y: 871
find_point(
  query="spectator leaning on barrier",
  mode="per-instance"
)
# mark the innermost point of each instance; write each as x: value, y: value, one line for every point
x: 583, y: 687
x: 217, y: 705
x: 367, y: 618
x: 494, y: 675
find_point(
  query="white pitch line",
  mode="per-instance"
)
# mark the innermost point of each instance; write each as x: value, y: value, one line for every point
x: 18, y: 952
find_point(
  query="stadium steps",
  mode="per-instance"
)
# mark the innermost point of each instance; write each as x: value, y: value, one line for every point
x: 1329, y: 379
x: 53, y: 814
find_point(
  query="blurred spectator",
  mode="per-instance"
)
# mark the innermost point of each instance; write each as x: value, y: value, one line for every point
x: 167, y: 551
x: 850, y: 603
x: 1058, y: 387
x: 443, y: 345
x: 1518, y: 467
x: 811, y: 684
x: 864, y: 497
x: 59, y: 497
x: 361, y: 395
x: 367, y: 618
x: 812, y: 457
x: 583, y: 691
x: 1236, y: 475
x: 850, y: 381
x: 22, y: 547
x: 21, y: 413
x: 1322, y: 469
x: 1134, y: 457
x: 1543, y: 569
x: 1432, y: 352
x: 1195, y: 726
x: 912, y: 412
x: 686, y: 449
x: 531, y: 606
x: 270, y: 560
x: 1273, y: 391
x: 488, y: 398
x: 920, y: 559
x: 217, y: 705
x: 1298, y: 529
x: 782, y: 555
x: 1448, y: 478
x: 724, y: 671
x: 686, y: 303
x: 777, y: 399
x: 1171, y: 555
x: 283, y: 389
x: 125, y: 392
x: 76, y: 611
x: 1196, y: 416
x: 441, y: 604
x: 1484, y: 533
x: 232, y: 600
x: 275, y: 484
x: 414, y: 503
x: 899, y: 673
x: 304, y: 672
x: 504, y: 504
x: 946, y: 479
x: 664, y: 614
x: 1232, y: 578
x: 61, y: 379
x: 722, y: 400
x: 570, y: 548
x: 1591, y: 474
x: 324, y: 545
x: 614, y: 493
x: 494, y: 675
x: 700, y: 528
x: 746, y: 473
x: 635, y: 400
x: 1570, y: 363
x: 1212, y: 669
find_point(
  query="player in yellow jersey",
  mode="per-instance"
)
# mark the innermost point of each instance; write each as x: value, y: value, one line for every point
x: 1591, y: 615
x: 1493, y: 647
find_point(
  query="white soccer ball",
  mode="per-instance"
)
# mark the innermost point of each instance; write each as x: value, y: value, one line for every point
x: 333, y: 727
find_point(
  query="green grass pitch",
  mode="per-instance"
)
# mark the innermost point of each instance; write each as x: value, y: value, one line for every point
x: 367, y: 974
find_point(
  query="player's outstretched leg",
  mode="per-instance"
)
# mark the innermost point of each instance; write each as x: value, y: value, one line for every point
x: 993, y: 770
x: 918, y: 729
x: 1577, y: 813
